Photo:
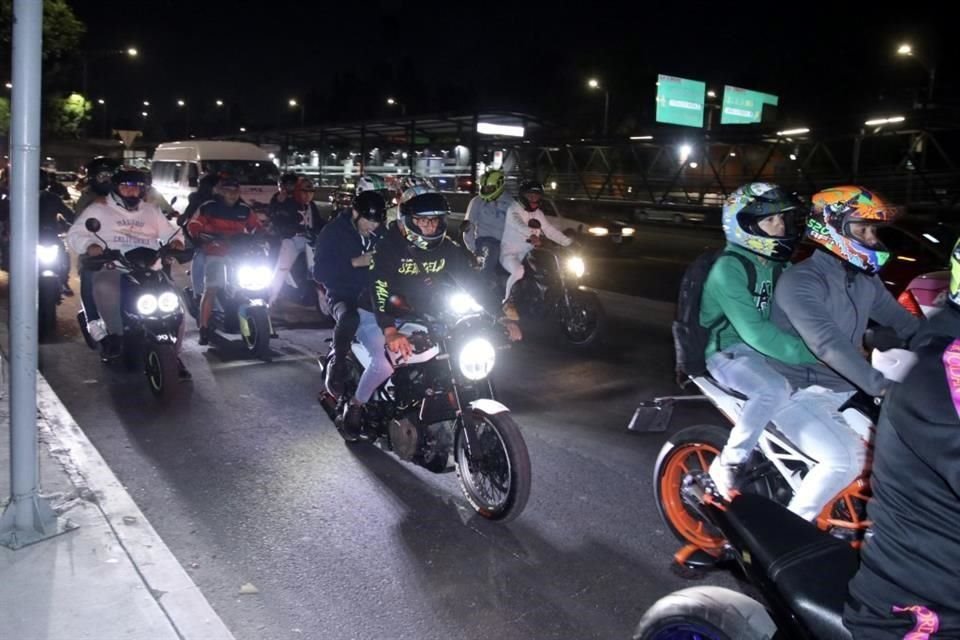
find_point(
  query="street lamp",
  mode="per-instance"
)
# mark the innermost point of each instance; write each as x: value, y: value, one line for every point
x: 106, y: 123
x: 219, y: 103
x: 906, y: 50
x: 294, y: 104
x: 593, y: 83
x: 180, y: 103
x: 9, y: 85
x: 243, y: 129
x: 146, y: 103
x: 393, y: 103
x: 132, y: 52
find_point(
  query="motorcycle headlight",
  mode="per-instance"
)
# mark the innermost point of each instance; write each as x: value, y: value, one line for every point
x: 254, y: 278
x: 628, y: 231
x: 477, y: 359
x: 147, y: 304
x: 48, y: 253
x: 576, y: 266
x: 463, y: 303
x: 168, y: 302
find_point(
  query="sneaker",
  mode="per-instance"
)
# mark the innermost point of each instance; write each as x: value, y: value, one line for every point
x: 110, y: 348
x: 204, y: 336
x: 353, y: 420
x: 97, y: 330
x: 724, y: 475
x: 182, y: 372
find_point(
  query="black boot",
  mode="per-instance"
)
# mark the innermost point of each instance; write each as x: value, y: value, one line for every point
x: 204, y: 336
x: 353, y: 420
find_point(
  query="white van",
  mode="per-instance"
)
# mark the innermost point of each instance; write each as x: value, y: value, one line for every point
x: 177, y: 167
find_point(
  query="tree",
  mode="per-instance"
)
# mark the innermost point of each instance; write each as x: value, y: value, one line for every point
x: 62, y: 32
x: 4, y: 116
x: 69, y: 115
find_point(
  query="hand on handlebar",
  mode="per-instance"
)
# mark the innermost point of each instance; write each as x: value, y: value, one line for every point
x: 398, y: 343
x: 94, y: 250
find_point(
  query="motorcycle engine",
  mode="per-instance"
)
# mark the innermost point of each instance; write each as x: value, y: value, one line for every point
x: 404, y: 438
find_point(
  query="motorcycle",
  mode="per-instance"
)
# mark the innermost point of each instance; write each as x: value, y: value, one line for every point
x: 242, y: 306
x: 151, y: 311
x: 776, y: 466
x: 801, y: 571
x: 439, y: 404
x: 52, y: 266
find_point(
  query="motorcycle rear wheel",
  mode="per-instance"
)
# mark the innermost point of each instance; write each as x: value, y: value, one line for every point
x: 706, y: 613
x: 495, y: 480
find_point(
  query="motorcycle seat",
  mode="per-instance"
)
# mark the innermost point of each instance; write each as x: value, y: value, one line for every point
x: 809, y: 568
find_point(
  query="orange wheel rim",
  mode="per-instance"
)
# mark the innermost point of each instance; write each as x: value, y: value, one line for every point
x: 685, y: 459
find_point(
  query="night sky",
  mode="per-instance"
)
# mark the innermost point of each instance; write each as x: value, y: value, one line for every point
x: 343, y: 59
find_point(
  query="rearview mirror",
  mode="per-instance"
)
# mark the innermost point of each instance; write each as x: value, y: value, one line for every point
x: 92, y: 225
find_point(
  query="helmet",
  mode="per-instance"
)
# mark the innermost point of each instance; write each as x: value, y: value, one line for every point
x: 371, y: 205
x: 748, y: 205
x: 425, y: 205
x: 954, y: 295
x: 414, y: 191
x: 371, y: 183
x: 530, y: 187
x: 100, y: 170
x: 832, y: 212
x: 129, y: 176
x: 492, y: 184
x: 287, y: 181
x: 343, y: 197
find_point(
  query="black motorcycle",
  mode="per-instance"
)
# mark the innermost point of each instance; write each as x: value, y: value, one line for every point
x: 53, y: 263
x: 439, y: 404
x: 150, y: 308
x: 801, y: 572
x: 242, y: 307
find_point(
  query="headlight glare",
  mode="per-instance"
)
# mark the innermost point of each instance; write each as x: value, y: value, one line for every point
x: 477, y: 359
x: 576, y: 266
x: 147, y: 304
x: 254, y: 278
x: 463, y: 303
x: 168, y: 302
x: 48, y: 253
x: 598, y: 231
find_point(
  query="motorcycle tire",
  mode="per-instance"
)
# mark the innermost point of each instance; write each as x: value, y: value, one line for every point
x: 133, y: 356
x: 257, y: 338
x: 585, y: 326
x: 82, y: 321
x: 506, y: 449
x: 709, y: 613
x: 49, y: 297
x: 690, y: 449
x: 162, y: 371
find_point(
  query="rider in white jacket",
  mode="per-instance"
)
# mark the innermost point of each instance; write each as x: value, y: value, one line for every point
x: 516, y: 242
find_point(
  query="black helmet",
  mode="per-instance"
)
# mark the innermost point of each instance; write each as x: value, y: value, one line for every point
x: 100, y: 171
x: 129, y: 176
x: 44, y: 182
x: 424, y: 205
x: 288, y: 179
x: 526, y: 188
x: 371, y: 205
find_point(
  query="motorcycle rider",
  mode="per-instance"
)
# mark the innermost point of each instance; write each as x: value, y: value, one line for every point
x: 126, y: 222
x: 760, y: 222
x: 412, y: 254
x: 487, y: 215
x: 224, y: 216
x: 908, y: 567
x: 296, y: 221
x: 99, y: 182
x: 516, y: 241
x: 827, y: 300
x: 344, y: 253
x: 52, y: 209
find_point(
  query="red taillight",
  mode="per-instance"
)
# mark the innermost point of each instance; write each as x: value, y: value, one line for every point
x: 909, y: 302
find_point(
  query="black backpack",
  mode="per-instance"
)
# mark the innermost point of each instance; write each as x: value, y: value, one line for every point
x: 689, y: 336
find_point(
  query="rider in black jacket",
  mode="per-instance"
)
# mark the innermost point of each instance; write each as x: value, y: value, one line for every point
x: 410, y: 259
x: 909, y: 577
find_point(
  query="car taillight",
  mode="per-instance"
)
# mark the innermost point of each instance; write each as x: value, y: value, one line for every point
x: 909, y: 302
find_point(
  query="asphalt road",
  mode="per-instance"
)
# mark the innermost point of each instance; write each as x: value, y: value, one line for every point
x: 247, y: 481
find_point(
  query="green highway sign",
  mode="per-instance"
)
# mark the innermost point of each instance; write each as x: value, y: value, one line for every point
x: 742, y: 106
x: 680, y: 101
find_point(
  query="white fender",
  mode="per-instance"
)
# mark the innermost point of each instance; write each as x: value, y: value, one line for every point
x: 488, y: 406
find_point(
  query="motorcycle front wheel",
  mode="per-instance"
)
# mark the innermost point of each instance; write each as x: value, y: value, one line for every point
x: 495, y: 476
x: 162, y: 370
x: 583, y: 323
x: 706, y: 613
x: 256, y: 338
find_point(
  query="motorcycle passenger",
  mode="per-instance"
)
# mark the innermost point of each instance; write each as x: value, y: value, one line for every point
x: 344, y: 253
x: 907, y: 579
x: 413, y: 252
x: 99, y: 182
x: 126, y: 223
x: 515, y: 244
x: 827, y: 300
x: 224, y: 216
x: 762, y: 224
x: 296, y: 221
x: 156, y: 198
x: 487, y: 215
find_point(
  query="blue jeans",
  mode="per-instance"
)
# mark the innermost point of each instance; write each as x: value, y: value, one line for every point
x: 745, y: 370
x: 371, y: 337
